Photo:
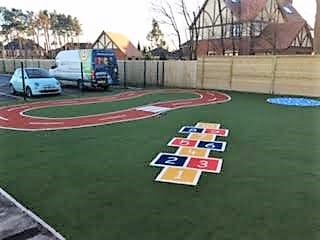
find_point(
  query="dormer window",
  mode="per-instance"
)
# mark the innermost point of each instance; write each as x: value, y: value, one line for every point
x: 235, y: 30
x: 287, y: 9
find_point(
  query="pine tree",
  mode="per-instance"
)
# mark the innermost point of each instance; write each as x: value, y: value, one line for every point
x: 155, y: 36
x: 138, y: 47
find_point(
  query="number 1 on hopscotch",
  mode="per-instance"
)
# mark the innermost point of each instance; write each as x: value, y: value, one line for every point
x: 179, y: 175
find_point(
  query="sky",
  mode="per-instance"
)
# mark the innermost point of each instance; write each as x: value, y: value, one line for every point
x: 131, y: 18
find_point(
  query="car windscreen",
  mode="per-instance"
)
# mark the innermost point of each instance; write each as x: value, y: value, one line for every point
x: 37, y: 73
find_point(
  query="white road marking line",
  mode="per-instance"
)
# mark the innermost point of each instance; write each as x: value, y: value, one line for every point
x: 15, y: 108
x: 5, y: 119
x: 182, y: 103
x: 112, y: 117
x: 9, y: 95
x: 45, y: 123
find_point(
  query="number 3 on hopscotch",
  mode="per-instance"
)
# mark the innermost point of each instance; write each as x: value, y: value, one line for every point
x: 203, y: 164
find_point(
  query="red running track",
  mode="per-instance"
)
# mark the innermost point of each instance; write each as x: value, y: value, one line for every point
x: 15, y: 117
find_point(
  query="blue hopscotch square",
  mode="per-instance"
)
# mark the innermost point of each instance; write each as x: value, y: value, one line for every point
x: 214, y: 146
x: 167, y: 159
x: 190, y: 129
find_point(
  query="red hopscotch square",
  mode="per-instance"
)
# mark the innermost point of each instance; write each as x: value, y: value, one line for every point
x: 206, y: 164
x: 182, y: 142
x: 218, y: 132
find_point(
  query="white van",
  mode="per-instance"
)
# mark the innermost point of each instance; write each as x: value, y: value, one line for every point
x: 99, y: 68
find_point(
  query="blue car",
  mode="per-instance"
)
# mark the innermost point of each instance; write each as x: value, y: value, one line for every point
x: 38, y: 81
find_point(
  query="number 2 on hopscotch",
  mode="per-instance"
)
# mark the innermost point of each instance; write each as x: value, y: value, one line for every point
x: 171, y: 160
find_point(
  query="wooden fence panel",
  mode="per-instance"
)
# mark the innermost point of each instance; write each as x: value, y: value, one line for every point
x: 47, y: 64
x: 2, y: 66
x: 181, y: 74
x: 121, y: 72
x: 9, y: 65
x: 253, y: 74
x: 215, y: 73
x: 134, y: 72
x: 153, y: 73
x: 298, y: 75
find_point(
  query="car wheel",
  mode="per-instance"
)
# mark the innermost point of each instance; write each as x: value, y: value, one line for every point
x: 29, y: 92
x: 12, y: 91
x: 105, y: 87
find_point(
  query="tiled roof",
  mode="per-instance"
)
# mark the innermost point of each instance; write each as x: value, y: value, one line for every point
x: 294, y: 16
x: 246, y: 9
x: 124, y: 44
x: 280, y: 35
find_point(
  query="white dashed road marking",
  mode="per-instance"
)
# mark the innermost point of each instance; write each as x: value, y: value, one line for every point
x: 153, y: 109
x: 2, y: 118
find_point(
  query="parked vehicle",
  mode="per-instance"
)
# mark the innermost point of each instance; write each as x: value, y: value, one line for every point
x: 99, y: 68
x: 38, y: 81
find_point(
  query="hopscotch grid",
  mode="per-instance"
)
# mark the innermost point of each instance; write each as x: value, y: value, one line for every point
x: 197, y: 157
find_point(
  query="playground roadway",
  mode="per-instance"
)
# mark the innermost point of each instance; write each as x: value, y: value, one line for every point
x: 16, y: 117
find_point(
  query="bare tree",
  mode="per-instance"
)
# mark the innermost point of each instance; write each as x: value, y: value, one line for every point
x: 193, y: 30
x: 316, y: 44
x: 168, y: 16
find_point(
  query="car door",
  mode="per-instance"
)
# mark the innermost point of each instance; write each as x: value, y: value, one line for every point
x: 18, y: 81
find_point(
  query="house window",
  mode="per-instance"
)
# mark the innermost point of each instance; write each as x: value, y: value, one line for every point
x: 287, y: 10
x: 235, y: 30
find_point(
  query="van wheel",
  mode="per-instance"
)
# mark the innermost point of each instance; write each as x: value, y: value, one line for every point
x: 80, y: 85
x: 12, y: 91
x: 29, y: 92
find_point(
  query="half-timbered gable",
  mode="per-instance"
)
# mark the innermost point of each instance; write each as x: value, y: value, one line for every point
x: 250, y: 27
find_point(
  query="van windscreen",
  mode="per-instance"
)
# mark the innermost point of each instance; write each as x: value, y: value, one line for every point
x: 100, y: 61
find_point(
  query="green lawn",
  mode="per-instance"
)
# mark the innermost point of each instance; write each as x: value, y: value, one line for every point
x: 95, y: 183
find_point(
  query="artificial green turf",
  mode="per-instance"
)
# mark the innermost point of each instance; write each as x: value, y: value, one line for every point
x: 83, y: 110
x: 95, y: 183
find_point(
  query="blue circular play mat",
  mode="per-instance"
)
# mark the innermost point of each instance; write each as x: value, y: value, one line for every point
x: 299, y: 102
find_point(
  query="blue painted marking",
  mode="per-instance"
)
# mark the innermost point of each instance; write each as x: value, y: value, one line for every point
x: 299, y: 102
x: 187, y: 129
x: 170, y: 160
x: 214, y: 146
